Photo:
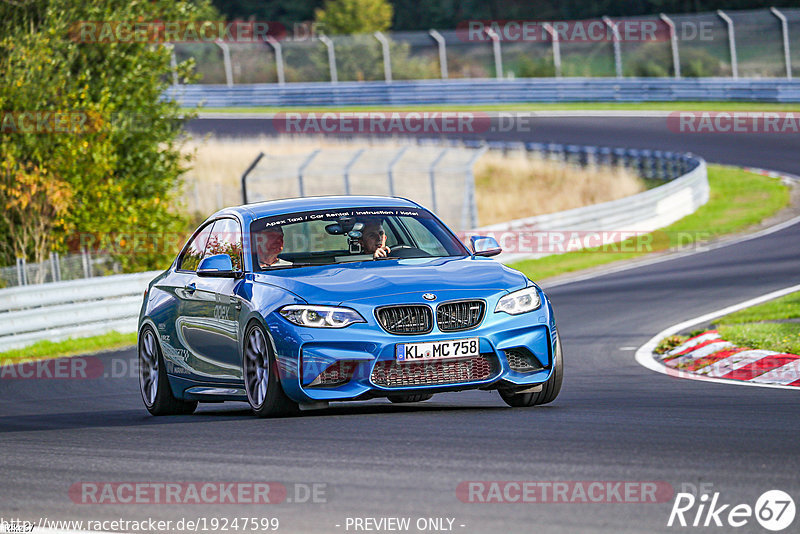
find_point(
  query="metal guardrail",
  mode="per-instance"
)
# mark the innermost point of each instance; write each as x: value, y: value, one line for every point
x: 685, y: 190
x: 487, y: 90
x: 76, y: 308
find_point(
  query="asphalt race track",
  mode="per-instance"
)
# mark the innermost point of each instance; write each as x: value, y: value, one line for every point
x: 614, y: 420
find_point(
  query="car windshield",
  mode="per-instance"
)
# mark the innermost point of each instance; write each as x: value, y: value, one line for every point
x: 326, y: 237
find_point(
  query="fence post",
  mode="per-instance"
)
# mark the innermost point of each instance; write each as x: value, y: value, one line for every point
x: 442, y: 45
x: 617, y: 51
x: 673, y: 40
x: 731, y: 42
x: 469, y: 212
x: 276, y: 46
x: 387, y: 56
x: 173, y: 63
x: 22, y: 275
x: 246, y: 172
x: 302, y: 169
x: 390, y: 169
x: 226, y: 58
x: 498, y: 53
x: 86, y: 261
x: 331, y: 57
x: 556, y: 47
x: 787, y: 57
x: 54, y: 265
x: 347, y: 170
x: 432, y: 176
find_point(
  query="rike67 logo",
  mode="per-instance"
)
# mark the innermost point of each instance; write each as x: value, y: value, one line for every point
x: 774, y: 510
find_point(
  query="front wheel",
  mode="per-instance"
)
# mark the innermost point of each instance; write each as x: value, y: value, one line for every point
x: 550, y: 388
x: 264, y: 391
x: 153, y: 382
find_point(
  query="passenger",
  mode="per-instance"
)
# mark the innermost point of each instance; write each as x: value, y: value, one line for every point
x: 373, y: 239
x: 269, y: 243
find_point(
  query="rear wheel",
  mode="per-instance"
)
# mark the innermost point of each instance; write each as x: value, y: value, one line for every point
x: 264, y: 391
x: 397, y: 399
x: 153, y: 382
x: 550, y: 388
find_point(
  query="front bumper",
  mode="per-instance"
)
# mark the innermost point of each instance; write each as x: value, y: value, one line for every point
x: 361, y: 353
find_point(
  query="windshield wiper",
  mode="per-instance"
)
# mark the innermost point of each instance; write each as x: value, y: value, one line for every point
x: 291, y: 266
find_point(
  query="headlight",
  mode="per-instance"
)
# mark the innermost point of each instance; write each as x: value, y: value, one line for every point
x: 521, y: 301
x: 321, y: 316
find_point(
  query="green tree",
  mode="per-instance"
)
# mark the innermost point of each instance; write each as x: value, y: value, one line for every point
x: 355, y: 16
x: 122, y: 163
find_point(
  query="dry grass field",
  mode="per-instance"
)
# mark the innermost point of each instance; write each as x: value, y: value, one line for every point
x: 508, y: 186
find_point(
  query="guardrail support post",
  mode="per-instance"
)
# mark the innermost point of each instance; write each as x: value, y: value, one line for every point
x: 731, y: 42
x: 556, y: 47
x: 387, y: 56
x: 247, y: 172
x: 331, y: 57
x: 432, y: 176
x: 787, y: 57
x: 226, y: 58
x: 347, y: 170
x: 390, y: 169
x: 673, y: 41
x: 442, y: 45
x: 498, y: 52
x: 302, y: 169
x: 276, y: 46
x: 617, y: 52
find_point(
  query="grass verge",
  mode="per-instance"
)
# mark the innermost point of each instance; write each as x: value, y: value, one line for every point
x: 738, y: 200
x: 532, y: 106
x: 774, y: 325
x: 69, y: 347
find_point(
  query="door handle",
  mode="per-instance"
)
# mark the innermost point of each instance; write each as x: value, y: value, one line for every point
x: 236, y: 302
x: 190, y: 288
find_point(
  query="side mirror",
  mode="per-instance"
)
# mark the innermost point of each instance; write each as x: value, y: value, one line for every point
x: 484, y: 246
x: 219, y: 265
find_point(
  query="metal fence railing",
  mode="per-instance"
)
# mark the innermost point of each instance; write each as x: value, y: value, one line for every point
x: 747, y: 43
x: 57, y: 268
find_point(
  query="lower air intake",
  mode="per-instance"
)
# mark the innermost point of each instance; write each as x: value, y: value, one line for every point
x: 391, y: 374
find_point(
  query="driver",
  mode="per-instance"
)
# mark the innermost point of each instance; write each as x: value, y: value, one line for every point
x: 269, y: 243
x: 373, y: 239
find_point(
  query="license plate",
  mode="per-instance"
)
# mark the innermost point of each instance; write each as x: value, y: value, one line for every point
x: 437, y: 350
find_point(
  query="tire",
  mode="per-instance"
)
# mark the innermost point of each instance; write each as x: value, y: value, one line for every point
x: 550, y: 388
x: 153, y: 382
x: 398, y: 399
x: 260, y: 373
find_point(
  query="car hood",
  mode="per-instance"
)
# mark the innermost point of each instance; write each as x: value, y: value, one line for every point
x: 336, y: 284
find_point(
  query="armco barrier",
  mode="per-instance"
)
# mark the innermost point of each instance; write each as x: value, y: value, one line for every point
x: 77, y: 308
x: 643, y: 212
x: 472, y: 91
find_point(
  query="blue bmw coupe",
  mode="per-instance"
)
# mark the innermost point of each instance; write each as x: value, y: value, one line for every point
x: 291, y: 304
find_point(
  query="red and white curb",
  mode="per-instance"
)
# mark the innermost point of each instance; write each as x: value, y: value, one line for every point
x: 709, y: 358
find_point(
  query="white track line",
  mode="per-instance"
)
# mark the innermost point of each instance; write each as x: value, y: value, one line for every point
x: 644, y: 355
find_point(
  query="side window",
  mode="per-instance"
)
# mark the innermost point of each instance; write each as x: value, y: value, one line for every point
x: 226, y: 238
x: 194, y: 252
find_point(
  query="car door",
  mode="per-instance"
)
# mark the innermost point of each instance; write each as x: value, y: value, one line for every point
x: 221, y: 335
